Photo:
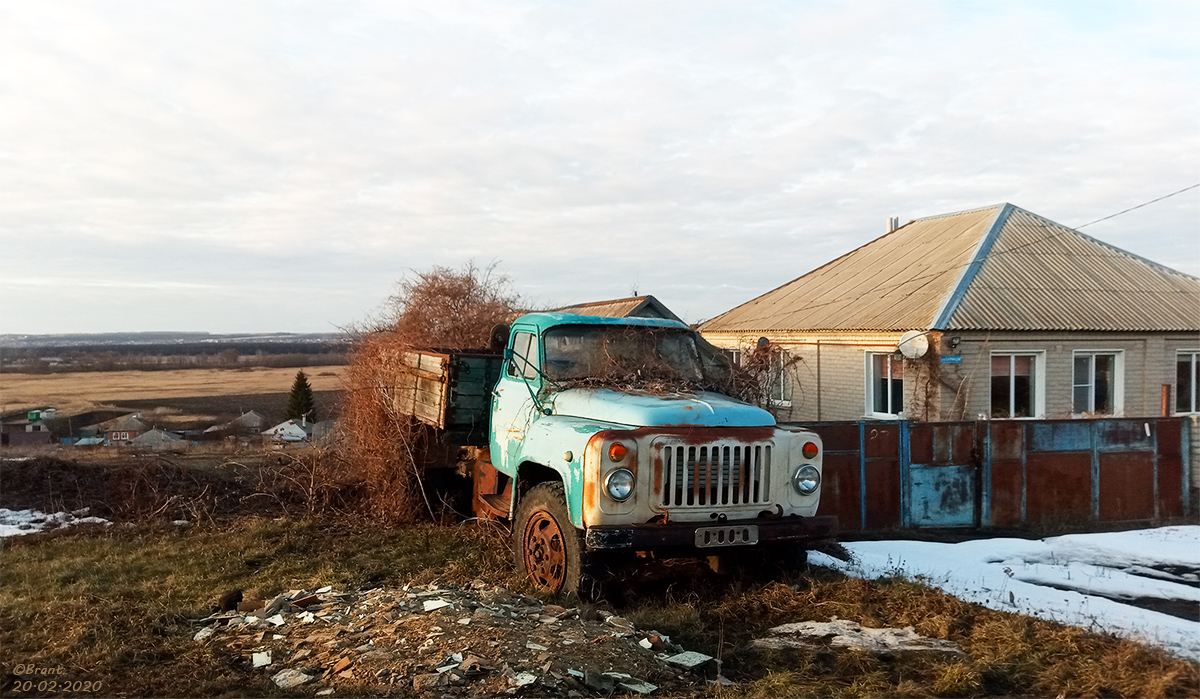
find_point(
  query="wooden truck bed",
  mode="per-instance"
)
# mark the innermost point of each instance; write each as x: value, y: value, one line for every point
x: 448, y: 390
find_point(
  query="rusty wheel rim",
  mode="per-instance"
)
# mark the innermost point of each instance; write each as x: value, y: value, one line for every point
x: 544, y: 553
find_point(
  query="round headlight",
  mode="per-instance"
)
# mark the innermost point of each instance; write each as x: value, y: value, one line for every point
x: 619, y: 484
x: 806, y: 480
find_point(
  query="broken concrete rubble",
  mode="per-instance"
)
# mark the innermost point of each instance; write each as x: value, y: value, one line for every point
x: 287, y: 679
x: 414, y: 640
x: 839, y: 633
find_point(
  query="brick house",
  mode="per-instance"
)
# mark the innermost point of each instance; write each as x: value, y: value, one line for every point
x: 1007, y: 315
x: 123, y: 430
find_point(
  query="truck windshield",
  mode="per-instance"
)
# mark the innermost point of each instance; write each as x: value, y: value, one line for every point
x: 621, y: 354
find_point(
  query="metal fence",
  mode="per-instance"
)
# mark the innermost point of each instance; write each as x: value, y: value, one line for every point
x: 1003, y: 474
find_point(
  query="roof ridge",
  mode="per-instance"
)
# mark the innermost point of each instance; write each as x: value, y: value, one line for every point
x: 976, y: 210
x: 600, y: 303
x: 952, y: 301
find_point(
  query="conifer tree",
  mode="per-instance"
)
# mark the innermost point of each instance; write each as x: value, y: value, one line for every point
x: 301, y: 403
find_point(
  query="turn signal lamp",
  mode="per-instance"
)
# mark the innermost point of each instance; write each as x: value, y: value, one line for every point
x: 810, y: 450
x: 617, y: 452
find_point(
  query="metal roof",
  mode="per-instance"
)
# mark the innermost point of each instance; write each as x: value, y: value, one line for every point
x: 634, y: 306
x: 897, y: 282
x: 125, y: 423
x: 1040, y: 275
x: 998, y: 268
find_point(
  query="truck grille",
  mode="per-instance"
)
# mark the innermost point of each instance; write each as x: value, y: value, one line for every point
x: 715, y: 474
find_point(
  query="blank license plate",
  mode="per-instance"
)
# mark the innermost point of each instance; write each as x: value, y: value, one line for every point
x: 743, y: 535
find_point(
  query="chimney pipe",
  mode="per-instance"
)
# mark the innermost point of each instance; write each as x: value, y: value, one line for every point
x: 893, y: 223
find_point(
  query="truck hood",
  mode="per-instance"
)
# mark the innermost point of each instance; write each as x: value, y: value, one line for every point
x: 643, y: 410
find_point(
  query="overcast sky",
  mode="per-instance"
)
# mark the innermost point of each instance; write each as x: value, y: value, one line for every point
x: 277, y: 166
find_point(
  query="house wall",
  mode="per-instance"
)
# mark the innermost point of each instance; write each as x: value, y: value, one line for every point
x: 828, y: 372
x: 1148, y: 364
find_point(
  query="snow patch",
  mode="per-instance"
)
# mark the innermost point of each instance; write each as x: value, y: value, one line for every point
x: 1075, y: 579
x: 18, y: 522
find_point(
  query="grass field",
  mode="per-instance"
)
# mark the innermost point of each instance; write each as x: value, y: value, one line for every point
x: 79, y: 392
x: 114, y: 607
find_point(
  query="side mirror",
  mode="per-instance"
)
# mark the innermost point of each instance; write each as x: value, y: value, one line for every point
x: 499, y: 338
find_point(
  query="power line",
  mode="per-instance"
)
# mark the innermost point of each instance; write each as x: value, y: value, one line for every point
x: 1167, y: 196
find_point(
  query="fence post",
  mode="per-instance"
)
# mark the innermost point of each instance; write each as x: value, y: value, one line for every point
x: 1185, y: 455
x: 1024, y: 473
x: 1095, y: 470
x: 985, y: 477
x: 1154, y: 445
x: 905, y: 458
x: 862, y: 474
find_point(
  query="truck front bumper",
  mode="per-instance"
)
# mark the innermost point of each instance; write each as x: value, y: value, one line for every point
x: 646, y: 537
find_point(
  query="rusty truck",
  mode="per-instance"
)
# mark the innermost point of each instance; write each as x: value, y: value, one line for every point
x: 562, y: 435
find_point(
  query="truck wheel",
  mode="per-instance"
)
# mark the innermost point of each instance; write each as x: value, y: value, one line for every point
x: 548, y: 547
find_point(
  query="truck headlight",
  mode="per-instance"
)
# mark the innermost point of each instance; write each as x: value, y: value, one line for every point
x: 806, y: 479
x: 619, y: 484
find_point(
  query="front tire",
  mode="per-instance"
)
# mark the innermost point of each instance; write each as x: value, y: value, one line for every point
x: 548, y: 549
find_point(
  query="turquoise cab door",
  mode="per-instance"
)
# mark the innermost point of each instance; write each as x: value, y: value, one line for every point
x: 513, y: 405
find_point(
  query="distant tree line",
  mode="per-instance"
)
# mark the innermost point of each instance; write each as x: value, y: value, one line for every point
x: 37, y: 360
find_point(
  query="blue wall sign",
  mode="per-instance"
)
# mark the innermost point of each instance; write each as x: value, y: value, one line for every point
x: 952, y: 359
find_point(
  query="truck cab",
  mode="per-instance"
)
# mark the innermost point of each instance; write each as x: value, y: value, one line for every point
x: 606, y: 437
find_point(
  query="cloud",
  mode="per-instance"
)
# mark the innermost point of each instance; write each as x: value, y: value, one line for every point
x: 704, y: 151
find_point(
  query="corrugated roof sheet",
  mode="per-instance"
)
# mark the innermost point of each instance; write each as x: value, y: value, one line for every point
x: 1040, y: 275
x: 1000, y: 268
x: 634, y: 306
x: 897, y: 282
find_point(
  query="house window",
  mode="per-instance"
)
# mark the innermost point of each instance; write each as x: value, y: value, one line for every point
x: 1017, y: 385
x: 885, y: 385
x: 1098, y: 383
x: 781, y: 388
x: 1187, y: 382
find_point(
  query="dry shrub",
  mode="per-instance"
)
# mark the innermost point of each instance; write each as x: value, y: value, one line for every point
x: 653, y: 361
x: 135, y: 489
x: 385, y: 451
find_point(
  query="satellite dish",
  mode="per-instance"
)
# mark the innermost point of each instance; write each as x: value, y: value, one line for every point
x: 913, y: 344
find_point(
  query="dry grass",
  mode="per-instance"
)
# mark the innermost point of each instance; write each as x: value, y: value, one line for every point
x: 113, y: 605
x: 1008, y: 654
x: 388, y: 451
x: 79, y: 392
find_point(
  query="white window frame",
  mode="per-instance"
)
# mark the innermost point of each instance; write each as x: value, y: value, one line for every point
x: 777, y: 375
x: 1194, y: 354
x: 870, y: 387
x: 1118, y: 380
x: 1039, y: 382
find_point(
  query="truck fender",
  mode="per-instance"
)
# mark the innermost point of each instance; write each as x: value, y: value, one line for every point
x: 531, y: 473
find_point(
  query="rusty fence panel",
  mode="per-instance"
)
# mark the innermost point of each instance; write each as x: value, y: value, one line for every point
x: 1004, y: 473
